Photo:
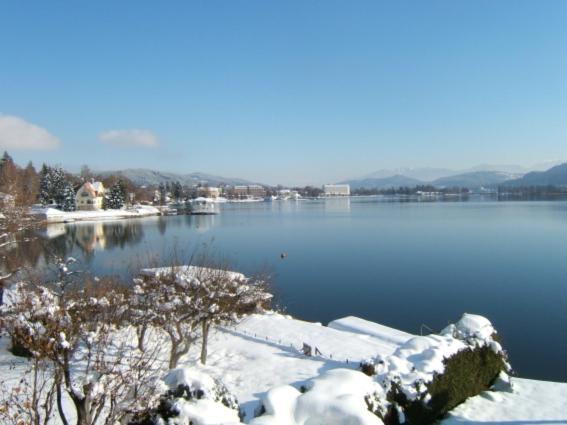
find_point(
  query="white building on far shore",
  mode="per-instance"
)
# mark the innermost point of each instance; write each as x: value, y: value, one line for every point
x: 336, y: 189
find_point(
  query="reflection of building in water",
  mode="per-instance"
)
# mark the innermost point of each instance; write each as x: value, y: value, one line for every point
x: 203, y: 223
x: 52, y: 231
x: 90, y: 236
x: 336, y: 189
x: 337, y: 204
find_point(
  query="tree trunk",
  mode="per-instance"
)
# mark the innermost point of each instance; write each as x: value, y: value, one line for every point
x: 205, y: 341
x: 141, y: 335
x: 59, y: 396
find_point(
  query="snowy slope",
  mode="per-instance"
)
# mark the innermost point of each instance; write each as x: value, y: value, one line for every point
x: 264, y: 352
x: 529, y: 403
x: 365, y: 327
x: 250, y: 365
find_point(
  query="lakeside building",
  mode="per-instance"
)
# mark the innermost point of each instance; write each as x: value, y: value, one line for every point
x: 249, y: 191
x: 336, y: 189
x: 90, y: 196
x: 209, y: 192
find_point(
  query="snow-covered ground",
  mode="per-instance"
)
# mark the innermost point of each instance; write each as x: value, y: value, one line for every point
x: 53, y: 215
x: 265, y: 352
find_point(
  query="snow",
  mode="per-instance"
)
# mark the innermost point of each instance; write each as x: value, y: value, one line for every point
x: 471, y: 327
x: 53, y: 215
x: 187, y: 272
x: 418, y: 360
x: 260, y: 361
x: 365, y: 327
x: 528, y: 403
x: 203, y: 412
x: 334, y: 398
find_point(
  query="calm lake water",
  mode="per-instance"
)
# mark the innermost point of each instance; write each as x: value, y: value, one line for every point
x: 403, y: 264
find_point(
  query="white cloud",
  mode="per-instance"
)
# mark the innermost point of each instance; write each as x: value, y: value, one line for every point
x: 129, y: 138
x: 18, y: 134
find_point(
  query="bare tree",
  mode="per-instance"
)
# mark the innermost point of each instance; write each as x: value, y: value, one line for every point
x: 31, y: 400
x: 222, y: 296
x: 77, y: 332
x: 169, y: 306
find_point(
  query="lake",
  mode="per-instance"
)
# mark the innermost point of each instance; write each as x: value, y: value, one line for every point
x: 411, y: 265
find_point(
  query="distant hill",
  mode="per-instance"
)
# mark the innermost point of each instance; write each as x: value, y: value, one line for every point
x: 383, y: 183
x: 555, y: 176
x: 475, y: 179
x: 145, y: 177
x: 425, y: 174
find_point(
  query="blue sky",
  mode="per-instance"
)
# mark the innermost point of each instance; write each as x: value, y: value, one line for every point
x: 290, y: 92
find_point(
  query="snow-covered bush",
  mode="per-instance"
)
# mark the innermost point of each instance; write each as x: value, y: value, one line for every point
x: 430, y: 375
x: 191, y: 397
x: 186, y: 301
x: 75, y: 332
x: 337, y: 397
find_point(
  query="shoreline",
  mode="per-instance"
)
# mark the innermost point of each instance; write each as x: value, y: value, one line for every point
x: 51, y: 215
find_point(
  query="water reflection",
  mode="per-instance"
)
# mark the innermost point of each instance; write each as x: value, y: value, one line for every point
x: 337, y: 205
x: 59, y: 240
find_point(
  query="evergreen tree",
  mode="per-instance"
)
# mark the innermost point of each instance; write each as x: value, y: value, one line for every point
x: 45, y: 185
x: 177, y: 190
x: 116, y: 196
x: 68, y: 198
x: 52, y: 185
x: 162, y: 193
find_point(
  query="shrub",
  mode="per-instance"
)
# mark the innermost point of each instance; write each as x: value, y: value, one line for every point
x: 167, y: 407
x: 467, y: 373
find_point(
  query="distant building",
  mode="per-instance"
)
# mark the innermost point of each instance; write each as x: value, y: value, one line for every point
x: 250, y: 191
x: 256, y: 191
x: 240, y: 191
x: 90, y: 196
x: 336, y: 189
x: 209, y: 192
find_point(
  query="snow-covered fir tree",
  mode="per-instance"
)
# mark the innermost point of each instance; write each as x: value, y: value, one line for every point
x: 68, y: 198
x: 115, y: 198
x: 52, y: 185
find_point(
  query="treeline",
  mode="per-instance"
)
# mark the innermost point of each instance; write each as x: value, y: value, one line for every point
x: 409, y: 190
x: 532, y: 192
x: 52, y: 185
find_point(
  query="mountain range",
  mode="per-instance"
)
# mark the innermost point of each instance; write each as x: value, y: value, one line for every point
x: 145, y: 177
x: 472, y: 178
x: 555, y: 176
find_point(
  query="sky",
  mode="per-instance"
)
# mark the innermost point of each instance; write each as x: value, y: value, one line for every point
x: 291, y: 92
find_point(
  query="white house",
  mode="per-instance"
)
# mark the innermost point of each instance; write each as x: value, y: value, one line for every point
x: 90, y: 196
x: 209, y: 192
x: 336, y: 189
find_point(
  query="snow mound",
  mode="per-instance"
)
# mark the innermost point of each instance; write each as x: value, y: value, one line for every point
x: 417, y: 362
x: 192, y: 378
x: 472, y: 328
x: 194, y: 397
x: 203, y: 412
x: 476, y: 331
x: 336, y: 397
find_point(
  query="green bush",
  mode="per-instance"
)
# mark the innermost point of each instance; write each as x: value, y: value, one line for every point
x: 467, y: 373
